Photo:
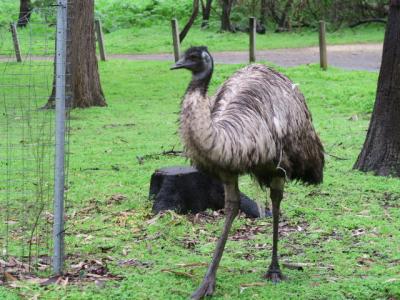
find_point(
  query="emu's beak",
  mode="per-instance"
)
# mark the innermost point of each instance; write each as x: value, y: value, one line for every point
x: 179, y: 64
x: 183, y: 64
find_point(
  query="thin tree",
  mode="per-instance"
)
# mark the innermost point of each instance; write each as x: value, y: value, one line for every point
x: 190, y: 22
x: 206, y: 12
x: 25, y: 10
x: 381, y: 151
x: 263, y: 12
x: 226, y: 24
x: 83, y: 77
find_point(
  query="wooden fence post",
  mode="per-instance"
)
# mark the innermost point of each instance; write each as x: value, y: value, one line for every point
x: 252, y: 31
x: 13, y: 29
x: 175, y: 38
x: 322, y: 46
x: 100, y: 39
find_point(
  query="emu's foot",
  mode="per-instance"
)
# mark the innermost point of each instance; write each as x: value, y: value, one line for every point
x: 274, y: 275
x: 205, y: 289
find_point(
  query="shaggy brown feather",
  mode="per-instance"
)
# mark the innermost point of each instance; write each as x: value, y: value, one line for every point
x: 257, y: 123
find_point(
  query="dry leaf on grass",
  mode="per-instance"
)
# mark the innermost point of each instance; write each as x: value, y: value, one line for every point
x: 245, y: 286
x: 302, y: 266
x: 192, y: 265
x: 135, y: 263
x: 178, y: 273
x: 118, y: 198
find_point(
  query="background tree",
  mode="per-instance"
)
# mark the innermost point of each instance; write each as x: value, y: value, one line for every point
x: 25, y: 9
x: 263, y: 12
x: 280, y: 14
x: 83, y: 77
x: 226, y: 15
x: 206, y: 12
x: 288, y: 14
x: 190, y: 22
x: 381, y: 151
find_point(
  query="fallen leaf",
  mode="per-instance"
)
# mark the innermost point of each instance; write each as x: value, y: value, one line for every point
x: 153, y: 220
x: 135, y: 263
x: 253, y: 284
x: 295, y: 266
x: 105, y: 249
x: 353, y: 118
x: 192, y: 265
x: 178, y: 273
x: 51, y: 280
x: 245, y: 286
x: 100, y: 284
x: 118, y: 198
x: 9, y: 277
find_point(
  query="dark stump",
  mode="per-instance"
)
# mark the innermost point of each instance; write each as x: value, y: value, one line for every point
x: 187, y: 190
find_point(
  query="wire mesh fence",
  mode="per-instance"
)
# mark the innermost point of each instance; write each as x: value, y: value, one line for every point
x: 27, y: 144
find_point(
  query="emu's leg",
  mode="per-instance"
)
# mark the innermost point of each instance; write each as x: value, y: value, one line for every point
x: 232, y: 202
x: 274, y: 272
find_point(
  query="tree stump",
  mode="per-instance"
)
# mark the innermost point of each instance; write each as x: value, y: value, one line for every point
x: 188, y: 190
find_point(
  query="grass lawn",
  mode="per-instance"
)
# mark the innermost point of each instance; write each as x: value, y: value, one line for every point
x: 346, y: 231
x: 158, y: 39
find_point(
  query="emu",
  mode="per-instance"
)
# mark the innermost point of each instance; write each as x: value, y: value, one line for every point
x: 257, y: 123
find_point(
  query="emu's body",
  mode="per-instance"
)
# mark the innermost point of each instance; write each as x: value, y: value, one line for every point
x: 257, y: 123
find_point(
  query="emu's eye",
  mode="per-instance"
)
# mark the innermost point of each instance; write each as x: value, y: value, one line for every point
x: 193, y: 57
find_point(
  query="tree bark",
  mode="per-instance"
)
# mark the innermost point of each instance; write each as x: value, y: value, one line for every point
x: 263, y: 12
x: 272, y: 10
x: 192, y: 18
x: 284, y: 22
x: 206, y: 10
x: 226, y: 15
x: 83, y: 79
x: 25, y: 10
x: 381, y: 151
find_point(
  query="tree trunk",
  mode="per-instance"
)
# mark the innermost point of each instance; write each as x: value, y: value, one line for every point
x: 381, y: 151
x: 25, y: 10
x: 206, y: 10
x: 263, y: 12
x: 226, y: 15
x: 83, y: 79
x: 270, y: 4
x: 192, y: 18
x: 284, y: 22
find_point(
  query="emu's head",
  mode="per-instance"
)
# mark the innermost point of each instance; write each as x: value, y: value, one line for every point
x: 197, y: 60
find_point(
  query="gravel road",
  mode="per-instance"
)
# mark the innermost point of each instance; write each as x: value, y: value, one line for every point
x: 352, y: 57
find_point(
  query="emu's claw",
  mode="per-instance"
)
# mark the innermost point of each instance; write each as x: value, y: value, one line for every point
x: 275, y: 276
x: 205, y: 289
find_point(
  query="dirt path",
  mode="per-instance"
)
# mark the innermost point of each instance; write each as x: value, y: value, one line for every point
x: 352, y: 57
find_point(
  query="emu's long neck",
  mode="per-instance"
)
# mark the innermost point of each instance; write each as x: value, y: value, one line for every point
x: 200, y: 83
x: 196, y: 124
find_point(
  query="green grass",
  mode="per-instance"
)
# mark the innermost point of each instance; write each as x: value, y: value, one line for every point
x: 157, y: 39
x: 347, y: 228
x: 143, y: 27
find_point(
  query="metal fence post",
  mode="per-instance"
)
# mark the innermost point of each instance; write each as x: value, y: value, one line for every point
x: 252, y: 31
x: 100, y: 39
x: 175, y: 38
x: 59, y: 181
x: 13, y: 29
x: 322, y: 46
